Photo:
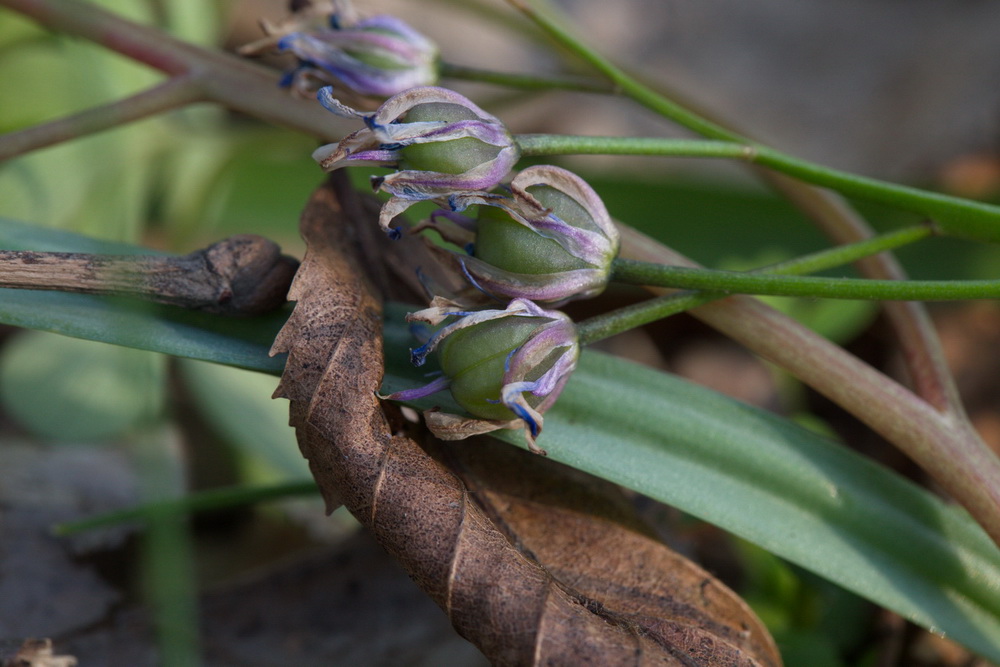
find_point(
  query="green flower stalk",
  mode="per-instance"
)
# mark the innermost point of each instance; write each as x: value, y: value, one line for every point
x: 505, y: 367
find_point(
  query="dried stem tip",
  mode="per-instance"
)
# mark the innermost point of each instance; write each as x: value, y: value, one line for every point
x: 240, y: 275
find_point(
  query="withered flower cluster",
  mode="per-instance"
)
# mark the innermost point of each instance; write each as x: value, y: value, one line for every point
x: 532, y: 240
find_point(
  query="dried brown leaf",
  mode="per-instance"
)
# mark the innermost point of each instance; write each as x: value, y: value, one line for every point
x: 38, y: 653
x: 587, y: 536
x: 561, y: 583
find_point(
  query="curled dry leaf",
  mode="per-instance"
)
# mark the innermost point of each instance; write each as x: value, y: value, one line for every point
x: 527, y: 579
x: 38, y: 653
x: 587, y: 536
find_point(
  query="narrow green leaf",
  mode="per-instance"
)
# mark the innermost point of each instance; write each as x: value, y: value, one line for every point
x: 797, y: 494
x: 240, y: 343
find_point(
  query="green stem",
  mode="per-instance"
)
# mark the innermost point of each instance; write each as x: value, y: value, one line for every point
x: 920, y: 348
x: 850, y: 252
x: 954, y: 215
x: 738, y: 282
x: 176, y: 92
x: 525, y: 81
x: 612, y: 323
x: 568, y: 144
x: 214, y: 499
x: 606, y: 325
x: 628, y: 85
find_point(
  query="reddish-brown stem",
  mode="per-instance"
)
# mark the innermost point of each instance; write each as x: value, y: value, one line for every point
x: 223, y: 78
x: 929, y: 374
x: 944, y: 444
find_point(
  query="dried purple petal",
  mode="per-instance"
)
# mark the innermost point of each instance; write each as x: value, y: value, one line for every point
x: 376, y: 56
x: 461, y: 150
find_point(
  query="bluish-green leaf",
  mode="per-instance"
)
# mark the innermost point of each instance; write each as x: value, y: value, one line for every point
x: 797, y: 494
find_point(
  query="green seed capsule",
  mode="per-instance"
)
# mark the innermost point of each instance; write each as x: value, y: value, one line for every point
x: 448, y: 157
x: 474, y: 359
x: 511, y: 246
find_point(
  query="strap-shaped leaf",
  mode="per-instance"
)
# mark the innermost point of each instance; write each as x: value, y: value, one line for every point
x: 766, y: 479
x: 791, y: 491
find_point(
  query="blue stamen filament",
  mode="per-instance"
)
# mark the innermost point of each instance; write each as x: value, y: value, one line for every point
x: 521, y: 412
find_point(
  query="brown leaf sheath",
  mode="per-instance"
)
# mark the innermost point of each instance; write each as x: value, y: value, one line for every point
x: 499, y: 598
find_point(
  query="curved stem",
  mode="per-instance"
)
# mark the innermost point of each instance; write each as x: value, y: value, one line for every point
x: 525, y: 81
x: 953, y: 215
x: 919, y: 346
x: 225, y: 79
x: 944, y: 445
x: 629, y: 86
x: 176, y: 92
x: 918, y: 340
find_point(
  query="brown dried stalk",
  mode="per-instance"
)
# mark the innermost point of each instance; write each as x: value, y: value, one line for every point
x: 240, y: 275
x: 922, y: 352
x: 196, y: 74
x: 943, y: 443
x: 527, y: 578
